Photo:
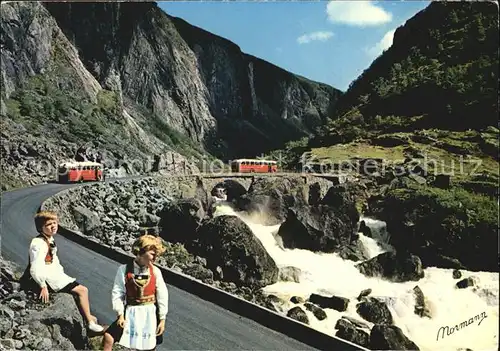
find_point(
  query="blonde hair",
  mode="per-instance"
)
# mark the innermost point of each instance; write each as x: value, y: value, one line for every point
x: 148, y: 242
x: 42, y: 217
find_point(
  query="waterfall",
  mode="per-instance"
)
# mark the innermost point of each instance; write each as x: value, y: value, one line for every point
x: 328, y: 274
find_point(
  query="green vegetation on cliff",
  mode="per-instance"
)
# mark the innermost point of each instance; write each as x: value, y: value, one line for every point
x: 433, y: 94
x: 439, y: 224
x: 55, y: 105
x: 440, y: 72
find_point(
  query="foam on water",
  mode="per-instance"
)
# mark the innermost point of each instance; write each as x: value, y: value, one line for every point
x: 328, y: 274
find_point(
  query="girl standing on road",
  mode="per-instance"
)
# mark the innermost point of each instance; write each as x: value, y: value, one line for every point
x: 140, y: 299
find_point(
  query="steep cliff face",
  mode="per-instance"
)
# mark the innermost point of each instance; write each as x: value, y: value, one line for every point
x: 30, y: 40
x: 200, y: 84
x: 134, y: 83
x: 51, y: 105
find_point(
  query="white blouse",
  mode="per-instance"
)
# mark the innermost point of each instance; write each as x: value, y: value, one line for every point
x: 118, y: 294
x: 43, y: 274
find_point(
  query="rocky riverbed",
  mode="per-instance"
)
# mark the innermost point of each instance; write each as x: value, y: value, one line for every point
x: 272, y: 244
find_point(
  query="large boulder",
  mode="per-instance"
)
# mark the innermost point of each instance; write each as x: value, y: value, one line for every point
x: 86, y: 219
x: 317, y: 311
x: 273, y: 196
x: 179, y: 220
x: 298, y: 314
x: 375, y: 311
x: 343, y: 197
x: 337, y: 303
x: 290, y: 274
x: 227, y: 242
x: 350, y: 332
x: 390, y: 337
x: 317, y: 228
x: 395, y: 267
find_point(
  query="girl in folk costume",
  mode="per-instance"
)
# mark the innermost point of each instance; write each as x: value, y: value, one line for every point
x: 140, y: 299
x: 45, y: 273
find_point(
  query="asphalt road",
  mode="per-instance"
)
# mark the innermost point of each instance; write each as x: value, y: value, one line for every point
x: 192, y: 323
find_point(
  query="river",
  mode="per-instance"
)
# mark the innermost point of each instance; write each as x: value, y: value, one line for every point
x: 328, y: 274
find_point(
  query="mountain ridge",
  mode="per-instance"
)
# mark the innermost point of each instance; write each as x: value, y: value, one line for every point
x: 76, y: 75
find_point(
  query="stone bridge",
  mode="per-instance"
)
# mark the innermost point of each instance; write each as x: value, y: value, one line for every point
x: 192, y: 185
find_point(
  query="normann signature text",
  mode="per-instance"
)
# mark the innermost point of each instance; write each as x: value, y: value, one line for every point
x: 451, y: 329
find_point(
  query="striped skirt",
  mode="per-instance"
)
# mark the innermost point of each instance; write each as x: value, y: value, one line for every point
x: 139, y: 331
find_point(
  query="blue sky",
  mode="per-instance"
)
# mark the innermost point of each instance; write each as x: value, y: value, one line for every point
x: 327, y: 41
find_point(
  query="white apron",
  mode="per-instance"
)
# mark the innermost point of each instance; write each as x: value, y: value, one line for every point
x: 139, y: 331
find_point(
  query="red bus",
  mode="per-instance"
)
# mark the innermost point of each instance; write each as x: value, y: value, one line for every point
x: 244, y: 165
x: 79, y: 172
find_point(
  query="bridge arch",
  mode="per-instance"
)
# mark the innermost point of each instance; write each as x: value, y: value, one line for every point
x: 233, y: 188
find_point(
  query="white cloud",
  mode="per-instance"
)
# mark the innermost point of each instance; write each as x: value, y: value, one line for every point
x: 319, y: 36
x: 357, y: 13
x: 384, y: 44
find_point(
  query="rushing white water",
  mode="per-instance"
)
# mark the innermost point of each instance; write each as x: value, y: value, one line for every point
x: 328, y: 274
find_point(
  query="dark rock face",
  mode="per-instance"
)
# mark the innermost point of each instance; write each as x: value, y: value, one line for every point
x: 342, y: 197
x: 442, y: 181
x: 390, y: 337
x: 392, y: 266
x: 314, y: 194
x: 26, y: 323
x: 226, y: 241
x: 457, y: 274
x: 180, y: 220
x: 444, y: 228
x: 329, y: 225
x: 298, y: 314
x: 274, y: 196
x: 337, y: 303
x: 466, y: 282
x: 421, y: 305
x: 363, y: 228
x: 375, y: 311
x: 317, y: 311
x: 208, y: 81
x: 350, y: 332
x: 316, y: 229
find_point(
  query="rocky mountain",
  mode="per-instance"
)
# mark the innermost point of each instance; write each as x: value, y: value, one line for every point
x: 131, y: 82
x: 419, y: 129
x: 440, y: 72
x: 135, y: 81
x: 200, y: 84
